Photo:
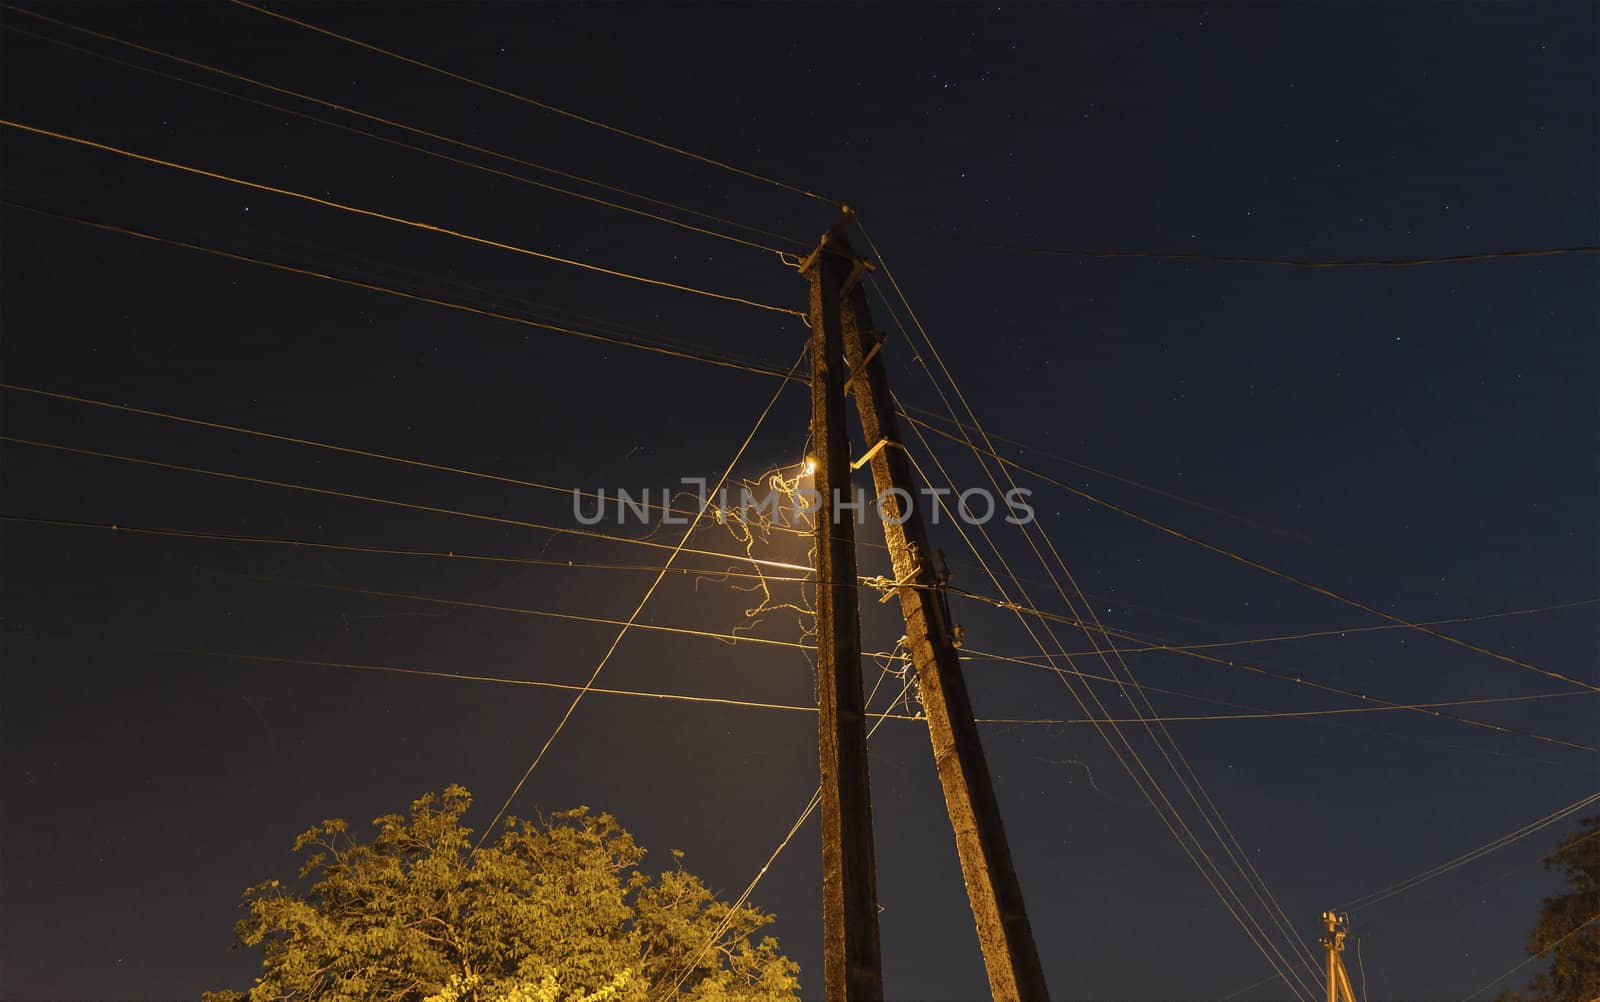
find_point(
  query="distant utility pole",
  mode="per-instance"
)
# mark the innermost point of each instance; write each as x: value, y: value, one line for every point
x: 1336, y: 928
x: 1004, y: 934
x: 852, y: 962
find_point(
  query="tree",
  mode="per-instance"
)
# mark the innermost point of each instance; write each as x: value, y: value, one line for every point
x: 555, y: 910
x: 1568, y: 930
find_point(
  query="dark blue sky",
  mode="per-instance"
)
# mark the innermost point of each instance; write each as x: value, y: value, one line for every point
x: 1421, y: 439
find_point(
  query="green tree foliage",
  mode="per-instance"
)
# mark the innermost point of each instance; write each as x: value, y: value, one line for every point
x: 555, y: 910
x: 1568, y: 930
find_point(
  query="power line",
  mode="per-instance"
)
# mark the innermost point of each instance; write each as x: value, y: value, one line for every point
x: 1034, y: 661
x: 735, y: 703
x: 407, y: 505
x: 1152, y: 645
x: 399, y: 220
x: 1314, y: 634
x: 313, y: 443
x: 397, y: 459
x: 228, y: 537
x: 674, y: 697
x: 402, y: 145
x: 1257, y: 565
x: 438, y: 137
x: 991, y: 453
x: 1325, y: 687
x: 682, y: 353
x: 537, y: 104
x: 1268, y: 714
x: 731, y: 639
x: 1332, y: 719
x: 1258, y: 935
x: 932, y: 349
x: 919, y: 415
x: 633, y: 618
x: 799, y: 822
x: 1253, y: 714
x: 1536, y: 954
x: 656, y: 348
x: 1148, y: 786
x: 719, y: 573
x: 1289, y: 262
x: 1493, y: 845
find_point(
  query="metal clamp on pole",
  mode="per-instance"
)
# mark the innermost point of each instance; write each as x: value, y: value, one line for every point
x: 864, y: 460
x: 860, y: 266
x: 861, y: 369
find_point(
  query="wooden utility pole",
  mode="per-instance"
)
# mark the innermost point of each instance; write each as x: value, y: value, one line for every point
x: 852, y: 962
x: 1336, y: 927
x: 1004, y: 934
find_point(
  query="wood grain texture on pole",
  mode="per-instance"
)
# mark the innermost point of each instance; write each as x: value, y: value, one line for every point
x: 852, y: 966
x: 1004, y: 934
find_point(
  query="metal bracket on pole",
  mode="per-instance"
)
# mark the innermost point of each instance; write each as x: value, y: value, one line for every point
x: 858, y: 267
x: 861, y: 369
x: 864, y: 460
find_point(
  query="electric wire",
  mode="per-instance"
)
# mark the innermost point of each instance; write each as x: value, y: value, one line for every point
x: 441, y: 468
x: 1339, y: 632
x: 1092, y: 638
x: 1252, y: 985
x: 674, y: 697
x: 1191, y: 785
x: 1290, y: 262
x: 799, y: 822
x: 1398, y: 623
x: 706, y: 573
x: 719, y: 573
x: 1284, y: 575
x: 633, y: 619
x: 1235, y: 853
x: 485, y: 296
x: 1326, y: 687
x: 611, y: 339
x: 392, y: 551
x: 1213, y: 877
x: 731, y: 639
x: 1187, y: 651
x: 552, y: 109
x: 681, y: 353
x: 911, y: 413
x: 345, y: 109
x: 1046, y: 661
x: 1243, y: 915
x: 407, y: 505
x: 1148, y: 787
x: 731, y: 702
x: 1493, y: 845
x: 1535, y: 955
x: 331, y: 447
x: 973, y: 654
x: 1004, y: 462
x: 596, y: 200
x: 1255, y: 714
x: 390, y: 218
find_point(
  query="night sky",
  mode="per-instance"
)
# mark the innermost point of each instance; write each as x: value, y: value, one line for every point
x: 1421, y: 439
